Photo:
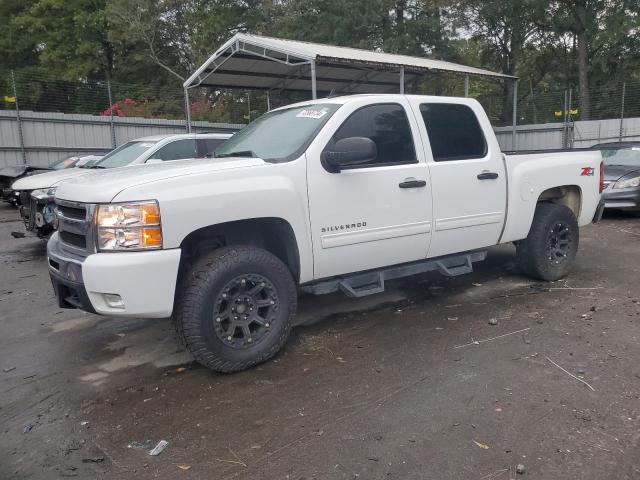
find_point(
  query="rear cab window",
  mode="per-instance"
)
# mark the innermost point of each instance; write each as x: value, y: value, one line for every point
x: 454, y: 132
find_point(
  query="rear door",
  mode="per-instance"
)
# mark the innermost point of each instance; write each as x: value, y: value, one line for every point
x: 468, y: 178
x: 373, y: 214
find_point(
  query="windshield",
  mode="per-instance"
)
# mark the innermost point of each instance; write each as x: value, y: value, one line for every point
x: 124, y: 154
x: 279, y: 134
x: 64, y: 163
x: 626, y: 157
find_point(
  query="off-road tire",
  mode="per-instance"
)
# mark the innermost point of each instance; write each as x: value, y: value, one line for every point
x: 203, y: 285
x: 536, y: 255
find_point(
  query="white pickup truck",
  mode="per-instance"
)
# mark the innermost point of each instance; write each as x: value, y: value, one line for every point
x: 334, y: 194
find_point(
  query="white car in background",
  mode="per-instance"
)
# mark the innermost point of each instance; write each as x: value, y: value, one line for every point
x: 37, y: 192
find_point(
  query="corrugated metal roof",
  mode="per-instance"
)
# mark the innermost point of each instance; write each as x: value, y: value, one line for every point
x: 257, y: 62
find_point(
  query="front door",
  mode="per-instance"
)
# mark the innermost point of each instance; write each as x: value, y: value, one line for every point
x: 374, y: 214
x: 468, y: 177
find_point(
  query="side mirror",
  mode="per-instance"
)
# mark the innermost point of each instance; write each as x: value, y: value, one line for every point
x: 349, y: 152
x: 153, y: 160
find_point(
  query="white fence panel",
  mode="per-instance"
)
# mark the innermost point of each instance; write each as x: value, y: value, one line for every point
x: 51, y: 136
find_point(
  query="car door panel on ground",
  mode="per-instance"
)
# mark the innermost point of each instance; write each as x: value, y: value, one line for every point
x: 468, y: 177
x: 374, y: 214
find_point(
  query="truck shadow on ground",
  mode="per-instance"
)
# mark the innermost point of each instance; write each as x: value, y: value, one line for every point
x: 122, y: 349
x: 26, y: 249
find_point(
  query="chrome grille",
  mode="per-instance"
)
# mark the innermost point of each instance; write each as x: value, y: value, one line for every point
x: 75, y: 224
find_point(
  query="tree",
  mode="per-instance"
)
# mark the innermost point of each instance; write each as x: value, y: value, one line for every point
x: 504, y: 28
x: 157, y: 28
x: 19, y: 49
x: 597, y: 26
x: 70, y: 37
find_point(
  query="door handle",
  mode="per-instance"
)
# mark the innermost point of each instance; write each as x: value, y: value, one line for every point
x: 413, y: 184
x: 487, y: 176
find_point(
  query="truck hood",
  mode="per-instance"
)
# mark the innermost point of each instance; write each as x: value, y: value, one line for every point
x: 48, y: 179
x: 613, y: 173
x: 102, y: 186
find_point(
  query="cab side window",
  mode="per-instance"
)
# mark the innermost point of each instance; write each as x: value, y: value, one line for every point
x: 388, y: 126
x: 454, y: 132
x: 177, y: 150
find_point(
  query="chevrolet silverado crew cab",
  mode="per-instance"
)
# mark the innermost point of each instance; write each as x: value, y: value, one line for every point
x: 36, y: 195
x: 336, y: 194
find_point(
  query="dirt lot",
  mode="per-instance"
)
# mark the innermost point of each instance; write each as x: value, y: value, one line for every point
x: 414, y: 384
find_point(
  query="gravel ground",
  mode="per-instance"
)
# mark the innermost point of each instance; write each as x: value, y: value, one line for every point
x: 413, y: 384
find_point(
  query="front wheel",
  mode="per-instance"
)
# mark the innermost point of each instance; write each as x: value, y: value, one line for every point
x: 235, y: 308
x: 550, y: 249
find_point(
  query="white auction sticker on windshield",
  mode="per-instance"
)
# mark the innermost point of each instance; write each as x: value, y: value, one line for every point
x: 316, y: 113
x: 146, y: 145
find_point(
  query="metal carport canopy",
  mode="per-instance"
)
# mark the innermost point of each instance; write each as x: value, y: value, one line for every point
x: 265, y: 63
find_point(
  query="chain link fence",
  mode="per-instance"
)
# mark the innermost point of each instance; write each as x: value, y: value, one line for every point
x: 537, y: 105
x: 39, y: 93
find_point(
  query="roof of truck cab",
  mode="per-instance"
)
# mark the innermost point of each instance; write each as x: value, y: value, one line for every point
x: 177, y: 136
x: 341, y: 100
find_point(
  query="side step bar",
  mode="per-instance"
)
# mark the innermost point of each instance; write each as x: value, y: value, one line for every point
x: 362, y: 284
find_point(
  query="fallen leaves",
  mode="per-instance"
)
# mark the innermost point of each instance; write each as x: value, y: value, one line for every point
x: 483, y: 446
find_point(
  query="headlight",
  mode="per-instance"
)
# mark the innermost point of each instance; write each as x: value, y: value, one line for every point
x: 44, y: 194
x: 628, y: 183
x: 129, y: 226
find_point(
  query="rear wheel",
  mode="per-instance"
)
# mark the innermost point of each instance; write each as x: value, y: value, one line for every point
x: 235, y: 308
x: 548, y: 253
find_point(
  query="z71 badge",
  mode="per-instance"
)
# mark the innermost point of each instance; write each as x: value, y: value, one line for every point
x: 587, y: 172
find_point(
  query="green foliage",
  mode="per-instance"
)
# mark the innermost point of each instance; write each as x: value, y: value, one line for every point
x: 68, y: 37
x: 155, y: 44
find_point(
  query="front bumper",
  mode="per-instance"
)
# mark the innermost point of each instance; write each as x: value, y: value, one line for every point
x: 622, y: 199
x: 144, y: 281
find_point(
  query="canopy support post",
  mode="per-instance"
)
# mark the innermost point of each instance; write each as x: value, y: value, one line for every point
x: 187, y: 109
x: 401, y: 80
x: 466, y: 85
x: 514, y: 121
x: 314, y: 92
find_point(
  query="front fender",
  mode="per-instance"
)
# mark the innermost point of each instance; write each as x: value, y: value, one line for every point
x: 192, y: 202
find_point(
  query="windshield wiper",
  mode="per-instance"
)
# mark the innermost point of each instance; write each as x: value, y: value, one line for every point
x: 93, y: 166
x: 240, y: 153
